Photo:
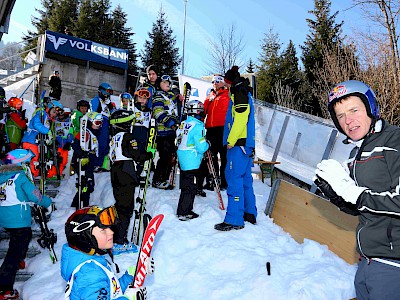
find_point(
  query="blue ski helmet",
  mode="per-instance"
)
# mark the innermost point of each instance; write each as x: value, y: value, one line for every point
x: 55, y: 104
x: 353, y: 88
x: 19, y: 156
x: 105, y: 90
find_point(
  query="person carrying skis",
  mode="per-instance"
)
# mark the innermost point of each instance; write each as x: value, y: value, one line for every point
x: 16, y: 122
x: 239, y: 138
x: 82, y: 107
x: 142, y: 116
x: 4, y: 110
x: 367, y: 185
x: 87, y: 262
x: 102, y: 104
x: 17, y: 193
x: 125, y: 156
x: 167, y: 118
x: 191, y: 148
x: 63, y: 137
x: 86, y: 146
x: 126, y: 101
x: 30, y: 140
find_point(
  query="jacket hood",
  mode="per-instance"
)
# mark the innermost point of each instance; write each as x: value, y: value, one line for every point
x: 71, y: 258
x: 7, y: 171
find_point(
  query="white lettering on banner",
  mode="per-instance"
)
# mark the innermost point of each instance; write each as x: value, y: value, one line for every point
x: 93, y: 48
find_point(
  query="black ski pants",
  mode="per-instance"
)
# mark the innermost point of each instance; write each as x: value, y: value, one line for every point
x: 124, y: 180
x: 17, y: 248
x: 188, y: 188
x: 166, y: 151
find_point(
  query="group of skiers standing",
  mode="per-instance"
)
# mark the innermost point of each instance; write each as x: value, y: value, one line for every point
x: 101, y: 135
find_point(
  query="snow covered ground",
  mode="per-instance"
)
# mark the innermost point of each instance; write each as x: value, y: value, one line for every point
x: 194, y: 261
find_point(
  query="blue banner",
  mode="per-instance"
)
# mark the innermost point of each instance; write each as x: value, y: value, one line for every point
x: 86, y: 50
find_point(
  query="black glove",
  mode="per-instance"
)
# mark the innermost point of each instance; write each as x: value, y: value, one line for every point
x: 67, y: 146
x: 110, y: 106
x: 327, y: 190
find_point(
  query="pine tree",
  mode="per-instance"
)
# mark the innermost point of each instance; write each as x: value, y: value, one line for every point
x: 324, y: 32
x: 122, y: 36
x: 268, y: 70
x: 250, y: 67
x: 289, y: 67
x: 160, y: 48
x: 94, y: 22
x: 64, y: 14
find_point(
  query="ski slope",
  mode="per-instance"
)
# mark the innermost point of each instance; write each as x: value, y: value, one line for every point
x: 194, y: 261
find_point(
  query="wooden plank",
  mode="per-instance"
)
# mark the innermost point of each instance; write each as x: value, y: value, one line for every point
x: 261, y: 162
x: 305, y: 215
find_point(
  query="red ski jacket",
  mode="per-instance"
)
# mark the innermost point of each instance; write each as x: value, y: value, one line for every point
x: 215, y: 108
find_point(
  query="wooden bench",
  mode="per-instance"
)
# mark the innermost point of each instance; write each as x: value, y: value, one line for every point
x: 305, y: 215
x: 266, y: 168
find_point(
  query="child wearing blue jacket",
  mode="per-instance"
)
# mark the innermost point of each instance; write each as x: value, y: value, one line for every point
x: 17, y: 193
x: 86, y: 262
x: 191, y: 147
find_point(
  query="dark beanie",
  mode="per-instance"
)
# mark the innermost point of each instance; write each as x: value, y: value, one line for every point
x: 231, y: 75
x: 151, y: 67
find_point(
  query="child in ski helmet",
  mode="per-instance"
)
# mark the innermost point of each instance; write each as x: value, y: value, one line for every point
x: 126, y: 101
x: 87, y: 263
x: 86, y: 149
x: 17, y: 193
x: 191, y: 147
x: 165, y: 111
x: 16, y: 122
x: 102, y: 104
x: 126, y: 165
x: 41, y: 122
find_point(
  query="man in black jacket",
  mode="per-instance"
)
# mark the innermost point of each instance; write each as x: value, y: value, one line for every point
x: 55, y: 83
x: 367, y: 184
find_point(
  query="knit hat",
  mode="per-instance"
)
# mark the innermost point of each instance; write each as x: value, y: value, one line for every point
x: 232, y: 74
x: 151, y: 67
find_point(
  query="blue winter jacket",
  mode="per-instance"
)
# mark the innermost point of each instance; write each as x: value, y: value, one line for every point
x: 239, y: 127
x: 36, y: 126
x: 191, y: 143
x: 91, y: 282
x: 17, y: 192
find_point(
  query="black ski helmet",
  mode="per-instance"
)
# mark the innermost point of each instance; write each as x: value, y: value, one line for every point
x: 79, y: 226
x: 121, y: 120
x: 83, y: 103
x: 353, y: 88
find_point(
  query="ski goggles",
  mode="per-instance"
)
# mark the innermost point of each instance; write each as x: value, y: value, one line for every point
x: 97, y: 122
x: 217, y: 79
x: 105, y: 216
x: 143, y: 93
x: 166, y: 78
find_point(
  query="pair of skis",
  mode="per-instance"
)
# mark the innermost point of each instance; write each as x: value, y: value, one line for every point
x: 187, y: 90
x: 141, y: 219
x: 211, y: 170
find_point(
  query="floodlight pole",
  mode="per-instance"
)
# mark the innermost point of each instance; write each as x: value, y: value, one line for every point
x: 184, y: 34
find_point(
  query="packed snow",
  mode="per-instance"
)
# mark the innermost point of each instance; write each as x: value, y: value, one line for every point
x: 194, y: 261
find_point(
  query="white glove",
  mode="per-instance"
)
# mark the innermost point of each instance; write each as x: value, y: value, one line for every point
x: 337, y: 177
x: 132, y: 293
